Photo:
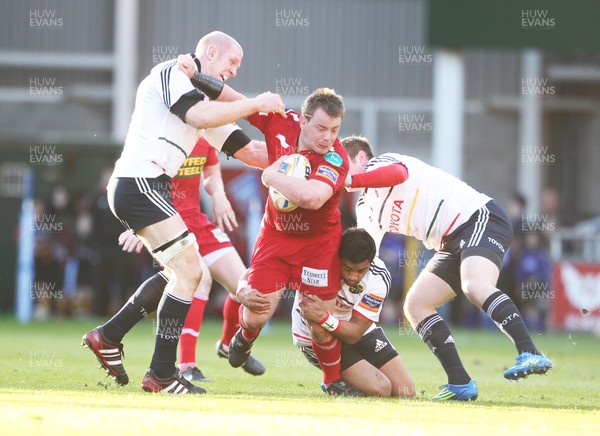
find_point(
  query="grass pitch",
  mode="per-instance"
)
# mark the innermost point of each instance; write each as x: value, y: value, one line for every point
x: 50, y: 385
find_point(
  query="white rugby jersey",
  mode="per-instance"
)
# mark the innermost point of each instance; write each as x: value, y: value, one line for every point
x: 366, y: 298
x: 158, y: 141
x: 429, y: 205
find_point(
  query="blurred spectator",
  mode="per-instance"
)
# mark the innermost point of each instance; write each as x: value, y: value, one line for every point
x: 508, y: 275
x: 533, y: 280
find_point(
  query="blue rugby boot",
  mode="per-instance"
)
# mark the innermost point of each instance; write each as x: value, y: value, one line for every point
x: 466, y: 392
x: 526, y: 364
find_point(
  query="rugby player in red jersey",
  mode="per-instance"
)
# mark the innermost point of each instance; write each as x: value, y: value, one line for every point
x: 297, y: 249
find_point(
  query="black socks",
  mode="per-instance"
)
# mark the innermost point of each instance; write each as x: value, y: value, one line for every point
x: 169, y: 323
x: 434, y: 331
x: 505, y: 314
x: 144, y: 301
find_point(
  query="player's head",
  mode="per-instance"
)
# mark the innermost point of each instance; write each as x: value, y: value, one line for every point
x: 359, y: 152
x: 322, y: 114
x: 357, y: 251
x: 220, y: 55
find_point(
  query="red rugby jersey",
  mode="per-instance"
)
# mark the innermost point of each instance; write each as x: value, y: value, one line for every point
x: 281, y: 136
x: 186, y: 184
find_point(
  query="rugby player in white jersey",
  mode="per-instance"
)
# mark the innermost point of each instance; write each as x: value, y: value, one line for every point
x: 470, y: 233
x: 369, y: 361
x: 169, y: 115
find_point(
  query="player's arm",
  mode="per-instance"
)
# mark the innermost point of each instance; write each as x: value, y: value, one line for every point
x: 382, y: 177
x: 307, y: 194
x: 351, y: 331
x: 223, y: 213
x: 254, y: 154
x: 206, y: 113
x: 232, y: 141
x: 231, y: 106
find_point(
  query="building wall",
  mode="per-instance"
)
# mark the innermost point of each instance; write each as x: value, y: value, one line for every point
x: 359, y: 47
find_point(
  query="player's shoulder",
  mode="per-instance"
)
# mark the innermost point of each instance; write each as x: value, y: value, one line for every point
x: 379, y: 277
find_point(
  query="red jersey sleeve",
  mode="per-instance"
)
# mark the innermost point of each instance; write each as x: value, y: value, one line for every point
x: 259, y: 120
x: 382, y: 177
x: 327, y: 173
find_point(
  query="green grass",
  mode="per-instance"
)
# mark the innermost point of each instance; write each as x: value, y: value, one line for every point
x: 49, y: 384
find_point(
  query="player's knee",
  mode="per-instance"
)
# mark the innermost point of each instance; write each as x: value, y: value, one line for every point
x: 253, y: 321
x: 382, y: 386
x: 473, y: 290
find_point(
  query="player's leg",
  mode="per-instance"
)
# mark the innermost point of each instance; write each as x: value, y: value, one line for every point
x: 362, y: 374
x: 327, y: 348
x: 227, y: 269
x: 479, y: 276
x: 481, y: 261
x: 368, y: 379
x: 144, y: 205
x: 378, y: 351
x: 251, y: 323
x: 427, y: 293
x: 402, y: 383
x: 175, y: 248
x: 269, y: 273
x: 105, y: 340
x: 191, y: 329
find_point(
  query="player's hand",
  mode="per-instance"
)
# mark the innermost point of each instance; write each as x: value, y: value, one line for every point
x: 186, y: 65
x: 269, y: 102
x: 223, y: 213
x: 254, y: 300
x: 130, y: 242
x: 270, y: 170
x: 312, y: 308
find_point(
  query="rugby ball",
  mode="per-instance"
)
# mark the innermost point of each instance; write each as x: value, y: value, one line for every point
x: 294, y: 165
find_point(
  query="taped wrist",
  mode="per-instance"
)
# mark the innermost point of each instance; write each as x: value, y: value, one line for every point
x: 330, y: 323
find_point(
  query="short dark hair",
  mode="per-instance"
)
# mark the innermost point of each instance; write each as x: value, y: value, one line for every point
x: 326, y: 99
x: 355, y: 143
x: 357, y: 245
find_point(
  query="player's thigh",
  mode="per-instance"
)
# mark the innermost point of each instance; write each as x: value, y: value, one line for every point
x: 162, y: 232
x: 402, y: 382
x: 427, y: 293
x: 479, y: 276
x: 365, y: 377
x: 227, y: 270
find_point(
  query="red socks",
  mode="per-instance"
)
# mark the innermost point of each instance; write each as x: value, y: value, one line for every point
x: 231, y: 320
x: 329, y: 355
x: 191, y: 330
x: 248, y: 335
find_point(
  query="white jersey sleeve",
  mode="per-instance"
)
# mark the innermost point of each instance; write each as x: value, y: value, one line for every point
x: 216, y: 136
x: 376, y: 290
x: 174, y: 85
